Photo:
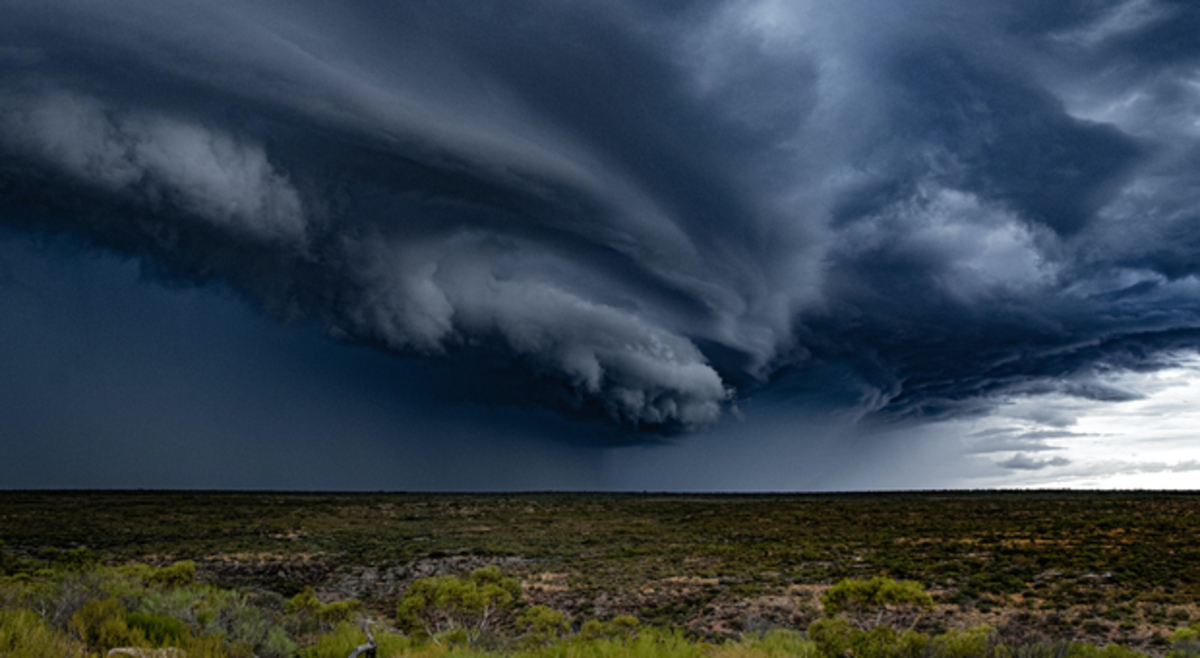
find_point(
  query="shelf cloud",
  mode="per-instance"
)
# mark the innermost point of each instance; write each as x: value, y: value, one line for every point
x: 645, y: 213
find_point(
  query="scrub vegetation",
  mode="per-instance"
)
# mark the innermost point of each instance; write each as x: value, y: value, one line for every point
x: 932, y: 575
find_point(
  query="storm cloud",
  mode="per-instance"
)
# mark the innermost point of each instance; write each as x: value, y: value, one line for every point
x: 645, y: 214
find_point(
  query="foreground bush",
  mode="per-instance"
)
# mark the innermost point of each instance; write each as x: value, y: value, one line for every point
x: 102, y: 626
x: 778, y: 643
x: 646, y: 643
x: 871, y: 603
x: 458, y: 610
x: 100, y: 608
x: 23, y: 634
x: 343, y: 640
x: 68, y: 607
x: 1185, y: 643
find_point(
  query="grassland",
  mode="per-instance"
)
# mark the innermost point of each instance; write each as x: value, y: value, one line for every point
x: 1100, y: 567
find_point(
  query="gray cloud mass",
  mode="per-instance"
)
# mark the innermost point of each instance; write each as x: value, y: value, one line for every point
x: 1024, y: 462
x: 645, y: 213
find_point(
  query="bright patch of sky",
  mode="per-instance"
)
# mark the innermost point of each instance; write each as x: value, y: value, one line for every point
x: 1060, y: 440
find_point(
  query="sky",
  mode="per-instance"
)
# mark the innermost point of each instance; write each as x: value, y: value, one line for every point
x: 725, y: 245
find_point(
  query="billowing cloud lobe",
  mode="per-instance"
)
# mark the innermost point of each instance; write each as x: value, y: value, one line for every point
x: 643, y: 212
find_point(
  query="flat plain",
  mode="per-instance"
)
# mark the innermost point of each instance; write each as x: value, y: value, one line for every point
x: 1100, y: 567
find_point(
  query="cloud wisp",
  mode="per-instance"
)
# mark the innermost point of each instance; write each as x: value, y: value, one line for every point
x: 644, y: 213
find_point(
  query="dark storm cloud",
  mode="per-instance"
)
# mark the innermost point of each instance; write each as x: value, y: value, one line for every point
x: 639, y: 211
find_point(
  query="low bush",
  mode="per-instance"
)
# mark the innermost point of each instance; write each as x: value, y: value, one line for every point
x: 82, y: 611
x: 621, y: 627
x: 647, y: 643
x: 24, y: 634
x: 450, y: 607
x: 342, y: 640
x: 101, y: 625
x: 777, y: 643
x: 878, y: 601
x: 177, y: 575
x: 1185, y: 643
x: 312, y: 616
x: 970, y: 643
x: 159, y: 630
x: 1083, y: 650
x: 838, y: 638
x: 542, y: 625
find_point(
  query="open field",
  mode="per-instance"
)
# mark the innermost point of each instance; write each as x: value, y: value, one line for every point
x: 1100, y: 567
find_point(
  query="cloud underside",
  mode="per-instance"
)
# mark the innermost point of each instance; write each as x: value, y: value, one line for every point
x: 641, y: 214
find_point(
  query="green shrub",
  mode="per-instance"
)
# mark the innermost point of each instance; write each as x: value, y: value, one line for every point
x: 277, y: 645
x: 647, y: 643
x: 1185, y: 643
x: 621, y: 627
x: 237, y: 618
x: 443, y: 606
x: 205, y: 647
x: 860, y: 595
x: 305, y: 603
x: 342, y: 640
x: 783, y: 643
x: 1084, y: 650
x: 177, y: 575
x: 543, y: 624
x: 874, y: 602
x: 969, y: 643
x: 327, y: 615
x: 879, y: 642
x: 159, y: 630
x: 101, y: 625
x: 838, y: 638
x: 23, y: 634
x: 75, y: 559
x: 337, y: 612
